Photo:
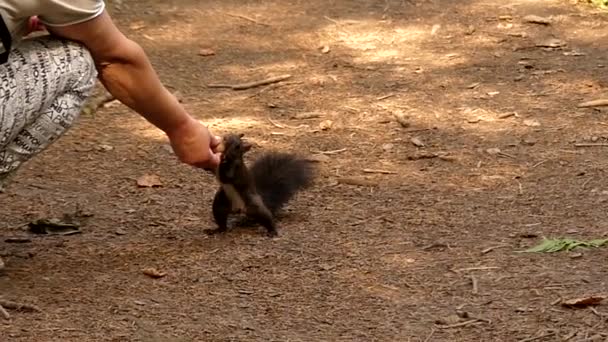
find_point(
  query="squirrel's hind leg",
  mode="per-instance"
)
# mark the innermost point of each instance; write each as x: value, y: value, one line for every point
x: 258, y: 211
x: 221, y: 211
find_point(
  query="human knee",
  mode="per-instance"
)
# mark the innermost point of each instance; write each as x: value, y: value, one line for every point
x: 82, y: 69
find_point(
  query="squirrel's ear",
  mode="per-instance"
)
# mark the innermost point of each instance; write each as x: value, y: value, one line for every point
x: 246, y: 146
x: 241, y: 135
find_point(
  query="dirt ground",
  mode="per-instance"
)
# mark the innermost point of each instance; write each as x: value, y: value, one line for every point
x: 488, y: 161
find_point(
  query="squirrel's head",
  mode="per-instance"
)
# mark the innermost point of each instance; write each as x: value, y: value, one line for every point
x: 234, y: 146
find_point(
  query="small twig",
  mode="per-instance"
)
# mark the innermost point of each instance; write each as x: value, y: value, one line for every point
x: 428, y: 338
x: 585, y: 183
x: 4, y: 313
x: 386, y: 172
x: 248, y: 85
x: 246, y: 18
x: 279, y: 125
x: 475, y: 284
x: 331, y: 152
x: 530, y: 339
x: 597, y: 313
x: 355, y: 181
x: 384, y: 97
x: 491, y: 248
x: 458, y: 325
x: 593, y: 103
x: 18, y: 306
x: 482, y: 268
x: 538, y: 164
x: 591, y: 145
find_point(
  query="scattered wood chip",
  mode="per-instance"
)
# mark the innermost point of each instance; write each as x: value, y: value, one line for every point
x: 384, y: 97
x: 531, y: 123
x: 401, y: 119
x: 253, y: 84
x: 386, y: 172
x: 206, y: 52
x: 481, y: 268
x: 10, y: 305
x: 105, y: 148
x: 473, y: 85
x: 461, y: 324
x: 539, y: 337
x: 153, y: 273
x: 356, y: 181
x: 417, y: 142
x: 246, y: 18
x: 319, y: 158
x: 593, y: 103
x: 325, y: 49
x: 304, y: 116
x: 4, y: 313
x: 120, y: 232
x: 326, y: 124
x: 475, y: 284
x: 551, y: 43
x: 331, y: 151
x: 149, y: 181
x: 590, y: 144
x: 583, y: 302
x: 493, y: 151
x: 535, y: 19
x: 507, y: 115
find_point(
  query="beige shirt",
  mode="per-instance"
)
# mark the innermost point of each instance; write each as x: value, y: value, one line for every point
x: 16, y: 13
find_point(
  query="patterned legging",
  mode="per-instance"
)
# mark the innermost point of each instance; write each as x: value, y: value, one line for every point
x: 43, y: 87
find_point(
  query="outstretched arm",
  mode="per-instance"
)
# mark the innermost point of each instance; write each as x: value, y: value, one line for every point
x: 128, y: 75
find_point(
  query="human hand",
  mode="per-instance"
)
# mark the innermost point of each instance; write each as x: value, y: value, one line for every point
x: 194, y: 145
x: 34, y: 25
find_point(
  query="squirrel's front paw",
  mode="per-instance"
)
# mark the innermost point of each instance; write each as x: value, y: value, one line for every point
x: 214, y: 231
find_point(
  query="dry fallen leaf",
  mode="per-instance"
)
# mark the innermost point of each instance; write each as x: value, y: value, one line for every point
x: 149, y: 181
x: 154, y: 273
x: 583, y: 302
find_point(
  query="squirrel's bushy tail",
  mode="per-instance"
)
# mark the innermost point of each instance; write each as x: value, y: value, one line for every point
x: 278, y: 176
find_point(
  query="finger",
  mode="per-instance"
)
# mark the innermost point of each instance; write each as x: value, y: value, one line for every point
x: 215, y: 140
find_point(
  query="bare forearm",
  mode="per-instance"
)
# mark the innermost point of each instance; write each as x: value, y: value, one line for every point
x: 133, y: 81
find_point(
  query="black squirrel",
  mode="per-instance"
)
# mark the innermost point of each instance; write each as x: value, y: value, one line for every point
x: 258, y: 191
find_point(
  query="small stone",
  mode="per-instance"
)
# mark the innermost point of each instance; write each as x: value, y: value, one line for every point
x: 594, y: 138
x: 120, y: 232
x: 529, y: 141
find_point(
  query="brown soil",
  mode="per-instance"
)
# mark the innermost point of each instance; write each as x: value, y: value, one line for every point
x: 386, y: 261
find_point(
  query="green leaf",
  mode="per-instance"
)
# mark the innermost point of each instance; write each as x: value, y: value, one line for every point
x: 565, y: 244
